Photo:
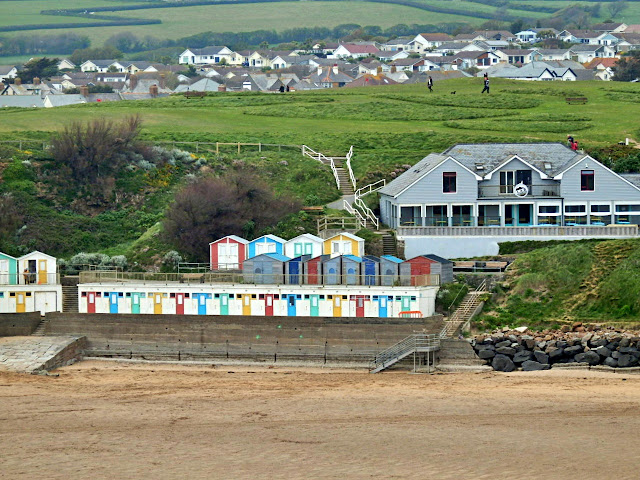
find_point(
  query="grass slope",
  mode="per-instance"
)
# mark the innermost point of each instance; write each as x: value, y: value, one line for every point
x: 587, y: 281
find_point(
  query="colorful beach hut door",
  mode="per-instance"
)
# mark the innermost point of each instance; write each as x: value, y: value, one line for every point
x: 179, y: 303
x: 21, y: 302
x: 157, y: 303
x: 4, y: 272
x: 291, y: 305
x: 406, y: 304
x: 201, y: 300
x: 359, y: 305
x: 135, y: 302
x: 294, y: 272
x: 382, y: 306
x: 42, y: 272
x: 113, y: 302
x: 224, y: 304
x: 91, y: 302
x: 337, y: 306
x: 246, y: 304
x: 314, y: 301
x: 369, y: 273
x: 268, y: 305
x: 227, y: 256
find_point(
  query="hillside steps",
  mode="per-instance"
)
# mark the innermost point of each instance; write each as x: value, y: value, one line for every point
x: 465, y: 311
x: 70, y: 299
x: 41, y: 329
x: 346, y: 188
x: 389, y: 246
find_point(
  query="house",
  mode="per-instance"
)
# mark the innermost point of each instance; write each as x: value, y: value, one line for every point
x: 51, y: 101
x: 209, y: 55
x: 391, y: 56
x: 398, y: 44
x: 21, y: 101
x: 500, y: 35
x: 604, y: 67
x: 146, y: 83
x: 329, y: 77
x: 476, y: 59
x: 265, y: 244
x: 611, y: 27
x: 518, y: 55
x: 228, y: 253
x: 202, y: 85
x: 527, y: 36
x: 535, y: 71
x: 584, y: 53
x: 8, y: 71
x: 8, y: 269
x: 355, y: 50
x: 449, y: 48
x: 490, y: 188
x: 368, y: 80
x: 344, y: 244
x: 305, y: 244
x: 608, y: 39
x: 415, y: 65
x: 37, y: 268
x: 373, y: 67
x: 102, y: 66
x: 554, y: 53
x: 428, y: 41
x: 37, y: 88
x: 389, y: 270
x: 579, y: 36
x: 413, y: 269
x: 266, y: 268
x: 65, y: 64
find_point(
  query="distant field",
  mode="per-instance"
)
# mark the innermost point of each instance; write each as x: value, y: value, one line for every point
x: 28, y: 12
x: 387, y: 125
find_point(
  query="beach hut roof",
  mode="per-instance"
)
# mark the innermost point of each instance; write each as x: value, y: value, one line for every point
x: 275, y: 238
x: 233, y: 237
x: 38, y: 253
x: 348, y: 235
x: 353, y: 257
x: 391, y: 258
x: 309, y: 236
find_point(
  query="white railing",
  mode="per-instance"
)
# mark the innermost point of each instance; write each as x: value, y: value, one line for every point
x: 349, y: 208
x: 418, y: 342
x: 367, y: 211
x: 372, y: 187
x: 311, y: 153
x: 348, y: 163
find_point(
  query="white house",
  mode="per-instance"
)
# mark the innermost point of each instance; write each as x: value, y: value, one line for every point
x: 65, y: 64
x: 353, y: 50
x: 7, y: 71
x: 208, y: 55
x: 527, y: 36
x: 102, y: 66
x: 428, y: 41
x: 305, y: 244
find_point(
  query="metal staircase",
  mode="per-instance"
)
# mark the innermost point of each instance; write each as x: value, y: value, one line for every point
x: 464, y: 312
x: 415, y: 343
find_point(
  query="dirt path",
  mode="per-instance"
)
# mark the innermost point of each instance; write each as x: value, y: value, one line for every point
x: 106, y: 420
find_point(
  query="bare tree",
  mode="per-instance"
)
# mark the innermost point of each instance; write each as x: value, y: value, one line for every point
x: 617, y: 7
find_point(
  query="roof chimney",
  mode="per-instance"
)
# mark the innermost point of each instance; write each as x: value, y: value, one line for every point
x: 153, y: 90
x: 222, y: 88
x: 36, y: 81
x: 84, y: 90
x: 335, y: 68
x: 162, y: 81
x: 17, y: 81
x: 133, y: 82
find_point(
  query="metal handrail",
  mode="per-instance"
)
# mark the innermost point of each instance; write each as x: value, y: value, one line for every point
x: 349, y: 208
x: 372, y: 187
x: 368, y: 212
x: 417, y: 342
x: 348, y: 163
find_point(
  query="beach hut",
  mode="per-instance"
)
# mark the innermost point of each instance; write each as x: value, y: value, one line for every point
x: 413, y: 269
x: 266, y: 244
x: 344, y: 244
x: 37, y: 268
x: 228, y: 253
x: 312, y: 270
x: 370, y: 270
x: 293, y: 270
x: 8, y: 269
x: 265, y: 268
x: 389, y: 270
x: 351, y: 270
x: 331, y: 270
x: 305, y: 244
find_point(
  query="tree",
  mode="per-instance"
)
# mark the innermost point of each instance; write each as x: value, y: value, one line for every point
x: 11, y: 220
x: 39, y: 67
x: 107, y: 52
x: 628, y: 67
x: 212, y: 207
x: 617, y: 7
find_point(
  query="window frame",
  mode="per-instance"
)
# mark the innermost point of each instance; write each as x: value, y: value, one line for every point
x: 584, y: 175
x: 449, y: 178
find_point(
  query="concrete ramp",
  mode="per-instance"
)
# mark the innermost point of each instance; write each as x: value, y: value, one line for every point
x: 34, y: 354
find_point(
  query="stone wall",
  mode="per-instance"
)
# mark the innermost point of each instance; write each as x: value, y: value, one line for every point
x: 18, y: 324
x: 272, y: 339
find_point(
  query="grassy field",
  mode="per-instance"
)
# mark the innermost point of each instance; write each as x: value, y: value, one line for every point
x: 388, y: 126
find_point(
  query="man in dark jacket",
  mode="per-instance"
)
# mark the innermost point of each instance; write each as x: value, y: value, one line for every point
x: 486, y: 85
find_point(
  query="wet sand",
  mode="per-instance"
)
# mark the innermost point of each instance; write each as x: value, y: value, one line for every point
x: 111, y: 420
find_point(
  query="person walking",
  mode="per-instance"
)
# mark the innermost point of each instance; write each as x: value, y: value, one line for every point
x: 570, y: 141
x: 486, y: 84
x: 430, y: 83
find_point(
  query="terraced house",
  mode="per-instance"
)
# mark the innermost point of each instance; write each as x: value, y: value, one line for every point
x: 506, y: 192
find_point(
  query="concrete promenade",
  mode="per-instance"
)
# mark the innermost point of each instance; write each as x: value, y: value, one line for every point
x: 34, y: 354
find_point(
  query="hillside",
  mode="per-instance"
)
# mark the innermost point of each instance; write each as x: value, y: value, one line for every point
x: 597, y: 281
x: 389, y: 127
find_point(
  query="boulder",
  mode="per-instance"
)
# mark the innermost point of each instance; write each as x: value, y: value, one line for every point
x: 628, y: 350
x: 521, y: 329
x: 531, y: 366
x: 625, y: 342
x: 590, y: 357
x: 513, y: 338
x: 562, y: 344
x: 615, y: 354
x: 502, y: 363
x: 541, y: 357
x: 506, y: 351
x: 603, y: 351
x: 486, y: 354
x: 610, y: 362
x: 627, y: 360
x: 556, y: 354
x: 600, y: 342
x: 504, y: 343
x: 530, y: 343
x: 565, y: 329
x: 574, y: 350
x: 522, y: 356
x: 541, y: 345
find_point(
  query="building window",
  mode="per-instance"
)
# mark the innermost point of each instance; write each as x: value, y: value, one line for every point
x: 449, y: 182
x: 587, y: 180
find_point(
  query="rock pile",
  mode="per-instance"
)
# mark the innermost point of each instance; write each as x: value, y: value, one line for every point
x: 506, y: 350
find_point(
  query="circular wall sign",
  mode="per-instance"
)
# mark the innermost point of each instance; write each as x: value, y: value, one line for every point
x: 521, y: 190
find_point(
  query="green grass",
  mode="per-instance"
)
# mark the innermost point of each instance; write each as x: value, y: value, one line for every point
x: 28, y: 12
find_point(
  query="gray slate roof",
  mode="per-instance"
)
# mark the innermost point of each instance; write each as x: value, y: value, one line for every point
x: 632, y: 177
x: 490, y: 155
x: 23, y: 101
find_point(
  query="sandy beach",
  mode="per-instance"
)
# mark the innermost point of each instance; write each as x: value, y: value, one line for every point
x: 111, y: 420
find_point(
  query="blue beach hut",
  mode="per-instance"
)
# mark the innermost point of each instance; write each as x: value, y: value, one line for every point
x: 266, y: 244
